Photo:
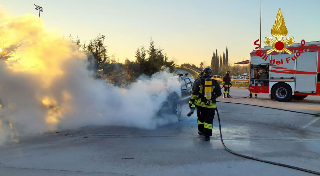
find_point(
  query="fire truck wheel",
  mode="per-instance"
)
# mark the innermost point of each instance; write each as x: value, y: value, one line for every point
x: 282, y: 92
x: 299, y: 97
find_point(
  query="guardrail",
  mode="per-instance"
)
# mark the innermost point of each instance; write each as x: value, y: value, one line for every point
x: 197, y: 71
x: 194, y: 73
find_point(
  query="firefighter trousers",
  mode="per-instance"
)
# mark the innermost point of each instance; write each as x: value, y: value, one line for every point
x: 226, y: 88
x: 205, y: 120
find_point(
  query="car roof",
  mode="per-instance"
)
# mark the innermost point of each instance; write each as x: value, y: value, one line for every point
x: 185, y: 77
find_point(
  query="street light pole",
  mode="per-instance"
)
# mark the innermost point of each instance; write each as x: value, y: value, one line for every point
x: 39, y: 8
x: 260, y: 23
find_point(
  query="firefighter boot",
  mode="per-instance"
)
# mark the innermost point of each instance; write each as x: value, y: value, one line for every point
x: 224, y: 95
x: 207, y: 138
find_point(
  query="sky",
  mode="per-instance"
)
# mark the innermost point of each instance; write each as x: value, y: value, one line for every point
x: 188, y: 31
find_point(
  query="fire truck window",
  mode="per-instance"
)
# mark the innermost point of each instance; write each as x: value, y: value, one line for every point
x: 260, y: 75
x: 263, y: 74
x: 256, y: 74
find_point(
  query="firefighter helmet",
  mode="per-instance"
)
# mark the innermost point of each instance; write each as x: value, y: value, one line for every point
x: 207, y: 72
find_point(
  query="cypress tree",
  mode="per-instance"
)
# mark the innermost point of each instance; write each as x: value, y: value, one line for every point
x: 212, y: 63
x: 221, y: 64
x: 217, y: 64
x: 227, y: 58
x: 224, y: 60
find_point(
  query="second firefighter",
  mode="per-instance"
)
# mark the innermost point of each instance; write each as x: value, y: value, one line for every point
x: 226, y: 84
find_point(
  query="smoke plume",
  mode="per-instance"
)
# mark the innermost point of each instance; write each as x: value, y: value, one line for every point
x: 45, y: 86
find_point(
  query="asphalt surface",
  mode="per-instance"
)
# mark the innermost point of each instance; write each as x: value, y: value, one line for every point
x: 176, y: 149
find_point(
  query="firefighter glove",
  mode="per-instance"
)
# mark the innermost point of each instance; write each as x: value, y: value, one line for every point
x: 191, y: 104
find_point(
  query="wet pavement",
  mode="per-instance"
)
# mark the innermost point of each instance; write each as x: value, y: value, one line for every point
x: 176, y: 149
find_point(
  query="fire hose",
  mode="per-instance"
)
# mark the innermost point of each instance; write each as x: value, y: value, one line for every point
x: 257, y: 159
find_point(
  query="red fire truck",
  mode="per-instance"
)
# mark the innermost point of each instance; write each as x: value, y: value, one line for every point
x: 283, y: 76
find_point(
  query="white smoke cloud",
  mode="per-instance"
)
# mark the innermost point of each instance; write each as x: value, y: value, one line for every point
x: 45, y: 86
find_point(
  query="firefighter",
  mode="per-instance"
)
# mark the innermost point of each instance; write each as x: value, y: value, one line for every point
x: 226, y: 84
x: 205, y: 90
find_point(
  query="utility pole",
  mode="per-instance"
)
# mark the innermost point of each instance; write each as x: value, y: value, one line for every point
x: 260, y: 24
x: 39, y: 8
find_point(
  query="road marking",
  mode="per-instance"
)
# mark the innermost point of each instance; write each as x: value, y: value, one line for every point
x: 310, y: 123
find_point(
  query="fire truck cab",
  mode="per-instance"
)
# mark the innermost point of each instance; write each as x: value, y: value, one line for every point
x: 286, y: 76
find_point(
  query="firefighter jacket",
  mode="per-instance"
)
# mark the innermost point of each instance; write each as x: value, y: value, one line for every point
x: 197, y: 95
x: 226, y: 81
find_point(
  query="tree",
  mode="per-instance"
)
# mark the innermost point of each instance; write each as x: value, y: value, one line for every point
x: 217, y: 60
x: 132, y: 71
x: 221, y: 64
x: 141, y: 59
x: 76, y: 41
x: 155, y: 60
x: 217, y: 68
x: 227, y: 58
x: 97, y: 55
x: 147, y: 62
x: 239, y: 69
x: 213, y: 66
x: 152, y: 60
x: 224, y: 59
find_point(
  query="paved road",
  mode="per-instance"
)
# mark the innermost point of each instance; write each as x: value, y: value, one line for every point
x: 175, y: 149
x: 311, y: 104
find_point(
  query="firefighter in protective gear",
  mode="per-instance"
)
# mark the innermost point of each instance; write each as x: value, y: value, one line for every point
x: 205, y: 90
x: 226, y: 84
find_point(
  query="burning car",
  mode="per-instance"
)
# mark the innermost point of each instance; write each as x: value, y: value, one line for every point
x: 174, y: 101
